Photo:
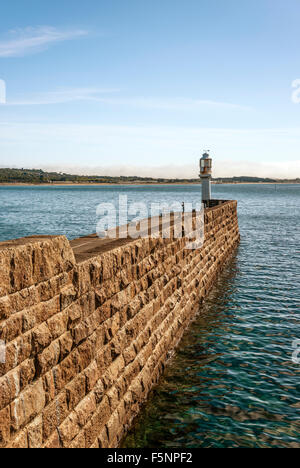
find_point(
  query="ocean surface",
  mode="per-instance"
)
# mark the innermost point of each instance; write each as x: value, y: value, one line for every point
x: 232, y: 382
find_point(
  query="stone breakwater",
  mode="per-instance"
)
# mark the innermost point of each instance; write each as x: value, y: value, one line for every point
x: 87, y: 337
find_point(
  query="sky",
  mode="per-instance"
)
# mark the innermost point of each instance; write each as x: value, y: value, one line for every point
x: 138, y: 87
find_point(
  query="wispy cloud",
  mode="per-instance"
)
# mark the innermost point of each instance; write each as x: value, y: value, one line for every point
x: 146, y: 103
x: 33, y: 39
x: 63, y: 96
x: 175, y: 103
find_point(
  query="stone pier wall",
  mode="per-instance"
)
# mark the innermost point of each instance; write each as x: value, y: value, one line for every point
x: 85, y: 341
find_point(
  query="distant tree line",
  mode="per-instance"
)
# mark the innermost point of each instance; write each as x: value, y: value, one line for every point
x: 37, y: 176
x: 248, y: 179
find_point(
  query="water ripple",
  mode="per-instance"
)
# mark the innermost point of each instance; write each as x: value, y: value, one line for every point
x: 232, y: 382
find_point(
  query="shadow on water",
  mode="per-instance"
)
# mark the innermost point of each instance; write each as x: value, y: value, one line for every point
x: 217, y: 390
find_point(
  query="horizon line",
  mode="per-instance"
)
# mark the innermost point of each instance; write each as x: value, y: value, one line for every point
x: 144, y: 177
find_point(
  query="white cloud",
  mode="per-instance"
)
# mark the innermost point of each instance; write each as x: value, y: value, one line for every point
x: 63, y: 96
x: 32, y: 39
x: 95, y: 95
x: 176, y: 103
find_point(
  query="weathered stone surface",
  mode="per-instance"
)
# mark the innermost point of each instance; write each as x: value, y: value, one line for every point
x: 35, y: 433
x: 48, y: 358
x: 4, y: 426
x: 54, y: 415
x: 27, y: 262
x: 21, y: 441
x: 76, y: 391
x: 41, y: 337
x: 86, y: 409
x: 86, y: 342
x: 29, y: 404
x: 69, y: 429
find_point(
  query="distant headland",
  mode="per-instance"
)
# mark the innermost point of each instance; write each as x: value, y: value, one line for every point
x: 39, y: 177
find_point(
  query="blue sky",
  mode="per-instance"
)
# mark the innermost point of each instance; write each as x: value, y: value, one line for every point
x: 136, y: 87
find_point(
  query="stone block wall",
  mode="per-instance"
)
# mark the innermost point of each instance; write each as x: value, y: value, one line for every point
x: 85, y: 342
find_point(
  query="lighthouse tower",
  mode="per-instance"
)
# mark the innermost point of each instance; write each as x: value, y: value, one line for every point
x: 205, y: 176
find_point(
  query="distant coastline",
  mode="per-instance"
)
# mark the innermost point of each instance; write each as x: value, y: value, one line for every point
x: 25, y: 177
x: 103, y: 184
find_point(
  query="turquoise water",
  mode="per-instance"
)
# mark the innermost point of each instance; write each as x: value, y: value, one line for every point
x: 232, y: 382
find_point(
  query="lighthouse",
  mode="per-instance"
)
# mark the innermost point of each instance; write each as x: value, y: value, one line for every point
x: 205, y: 176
